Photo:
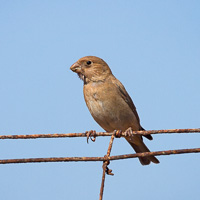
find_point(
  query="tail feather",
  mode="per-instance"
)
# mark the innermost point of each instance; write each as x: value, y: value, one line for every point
x: 146, y: 136
x: 143, y: 148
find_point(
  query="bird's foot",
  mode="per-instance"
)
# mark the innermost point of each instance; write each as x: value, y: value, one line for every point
x: 128, y: 132
x: 117, y: 133
x: 91, y: 134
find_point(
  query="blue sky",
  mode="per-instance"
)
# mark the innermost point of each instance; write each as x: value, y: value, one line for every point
x: 152, y: 47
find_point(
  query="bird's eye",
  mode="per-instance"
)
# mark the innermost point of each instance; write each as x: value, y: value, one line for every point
x: 89, y: 62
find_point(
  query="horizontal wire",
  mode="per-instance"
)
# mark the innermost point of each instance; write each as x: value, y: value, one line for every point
x: 97, y: 134
x: 85, y: 159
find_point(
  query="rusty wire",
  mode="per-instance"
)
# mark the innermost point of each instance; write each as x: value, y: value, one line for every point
x: 105, y: 167
x: 107, y: 158
x: 61, y: 135
x: 85, y: 159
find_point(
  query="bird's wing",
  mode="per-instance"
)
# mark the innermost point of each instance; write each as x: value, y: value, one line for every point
x: 124, y: 94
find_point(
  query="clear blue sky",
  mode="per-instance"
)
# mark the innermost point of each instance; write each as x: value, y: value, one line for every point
x: 152, y: 47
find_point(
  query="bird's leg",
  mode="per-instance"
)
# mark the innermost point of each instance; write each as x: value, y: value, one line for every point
x: 91, y: 134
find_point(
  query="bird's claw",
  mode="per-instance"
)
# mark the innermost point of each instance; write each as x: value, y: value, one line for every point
x: 91, y: 134
x: 129, y: 132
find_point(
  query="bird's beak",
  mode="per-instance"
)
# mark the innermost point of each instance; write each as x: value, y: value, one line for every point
x: 76, y: 67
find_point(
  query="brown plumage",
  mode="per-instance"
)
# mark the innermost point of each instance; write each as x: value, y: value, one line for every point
x: 109, y: 103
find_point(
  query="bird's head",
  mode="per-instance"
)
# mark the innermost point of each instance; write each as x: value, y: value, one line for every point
x: 91, y: 68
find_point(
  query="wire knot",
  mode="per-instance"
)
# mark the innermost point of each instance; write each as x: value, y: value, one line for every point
x: 117, y: 133
x: 105, y: 166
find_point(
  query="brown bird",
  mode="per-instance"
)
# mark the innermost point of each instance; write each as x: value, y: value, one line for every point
x: 109, y: 103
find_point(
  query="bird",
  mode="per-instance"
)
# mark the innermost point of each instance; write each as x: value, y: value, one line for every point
x: 109, y: 103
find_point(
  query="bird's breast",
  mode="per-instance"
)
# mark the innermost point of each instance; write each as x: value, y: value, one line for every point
x: 94, y: 103
x: 108, y: 109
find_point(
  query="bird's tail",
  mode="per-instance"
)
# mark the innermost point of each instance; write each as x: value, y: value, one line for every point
x: 143, y: 148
